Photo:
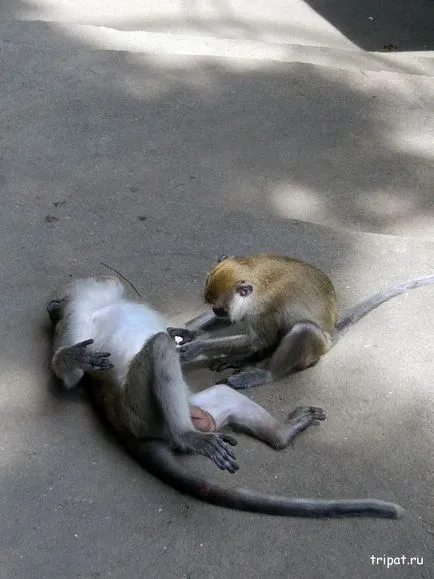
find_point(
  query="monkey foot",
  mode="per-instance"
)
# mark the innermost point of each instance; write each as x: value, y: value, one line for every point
x: 304, y: 416
x: 215, y: 447
x: 248, y: 379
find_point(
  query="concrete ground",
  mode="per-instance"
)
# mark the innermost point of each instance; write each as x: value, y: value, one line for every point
x: 156, y: 137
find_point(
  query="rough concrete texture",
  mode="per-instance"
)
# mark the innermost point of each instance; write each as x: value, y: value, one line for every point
x: 155, y: 154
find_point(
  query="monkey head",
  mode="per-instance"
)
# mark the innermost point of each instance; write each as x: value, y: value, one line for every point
x: 227, y: 289
x: 87, y: 288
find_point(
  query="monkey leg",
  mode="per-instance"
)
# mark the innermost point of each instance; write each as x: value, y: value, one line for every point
x: 156, y: 396
x: 71, y: 362
x: 231, y: 408
x: 300, y: 348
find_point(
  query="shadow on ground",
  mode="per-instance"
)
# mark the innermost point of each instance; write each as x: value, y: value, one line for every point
x: 383, y: 26
x: 157, y: 167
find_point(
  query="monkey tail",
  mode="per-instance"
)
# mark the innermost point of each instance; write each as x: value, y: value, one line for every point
x: 158, y: 459
x: 353, y: 315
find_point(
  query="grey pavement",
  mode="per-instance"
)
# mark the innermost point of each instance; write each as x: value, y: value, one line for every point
x: 156, y: 137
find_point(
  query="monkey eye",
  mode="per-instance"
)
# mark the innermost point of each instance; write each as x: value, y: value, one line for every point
x: 244, y: 289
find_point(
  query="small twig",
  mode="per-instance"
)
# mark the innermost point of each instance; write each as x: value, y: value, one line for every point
x: 122, y: 276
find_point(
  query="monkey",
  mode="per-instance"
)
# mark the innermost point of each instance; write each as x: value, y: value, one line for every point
x: 136, y: 380
x: 289, y: 308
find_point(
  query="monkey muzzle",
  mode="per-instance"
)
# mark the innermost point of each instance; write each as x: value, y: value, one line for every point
x: 220, y: 312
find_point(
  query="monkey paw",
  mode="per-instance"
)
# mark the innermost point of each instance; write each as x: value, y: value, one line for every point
x: 87, y: 360
x: 221, y: 364
x: 248, y: 379
x: 184, y: 333
x: 190, y: 351
x: 305, y: 416
x: 215, y: 447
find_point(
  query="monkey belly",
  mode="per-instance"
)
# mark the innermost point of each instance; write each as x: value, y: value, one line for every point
x: 202, y: 420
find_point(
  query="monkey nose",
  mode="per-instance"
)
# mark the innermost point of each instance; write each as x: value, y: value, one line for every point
x: 220, y: 312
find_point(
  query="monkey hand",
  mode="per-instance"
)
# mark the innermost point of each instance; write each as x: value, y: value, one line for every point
x: 190, y: 351
x: 221, y: 364
x: 214, y: 446
x: 183, y: 333
x: 249, y: 378
x: 87, y: 360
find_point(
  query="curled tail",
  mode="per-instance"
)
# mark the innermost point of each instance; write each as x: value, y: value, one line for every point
x: 158, y: 459
x: 353, y: 315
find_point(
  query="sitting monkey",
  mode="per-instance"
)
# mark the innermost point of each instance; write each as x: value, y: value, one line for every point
x: 290, y: 312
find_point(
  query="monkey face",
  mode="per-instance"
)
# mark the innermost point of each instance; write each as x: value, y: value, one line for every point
x: 241, y: 302
x: 229, y: 296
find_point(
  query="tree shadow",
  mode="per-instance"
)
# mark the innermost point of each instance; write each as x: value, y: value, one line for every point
x: 157, y: 166
x: 382, y: 26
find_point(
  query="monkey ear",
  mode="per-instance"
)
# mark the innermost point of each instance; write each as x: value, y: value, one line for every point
x: 54, y: 309
x: 244, y: 289
x: 222, y: 258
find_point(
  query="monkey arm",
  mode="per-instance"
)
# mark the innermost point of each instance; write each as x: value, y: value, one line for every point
x: 229, y: 345
x: 207, y: 321
x: 201, y: 323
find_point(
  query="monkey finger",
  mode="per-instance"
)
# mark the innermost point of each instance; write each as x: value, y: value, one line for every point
x: 103, y: 367
x: 318, y: 413
x: 220, y: 365
x: 84, y: 344
x: 216, y: 365
x: 229, y: 439
x: 229, y: 467
x: 226, y: 455
x: 103, y: 363
x: 224, y: 451
x: 224, y: 460
x: 218, y: 446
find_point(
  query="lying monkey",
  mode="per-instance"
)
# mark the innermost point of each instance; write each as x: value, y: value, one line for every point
x: 137, y: 379
x: 290, y: 312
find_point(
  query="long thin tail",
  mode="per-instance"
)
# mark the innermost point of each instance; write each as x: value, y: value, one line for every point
x: 353, y: 315
x: 159, y: 460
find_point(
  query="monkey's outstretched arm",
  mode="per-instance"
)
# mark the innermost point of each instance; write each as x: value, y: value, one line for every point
x: 204, y: 322
x: 238, y: 344
x: 71, y: 362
